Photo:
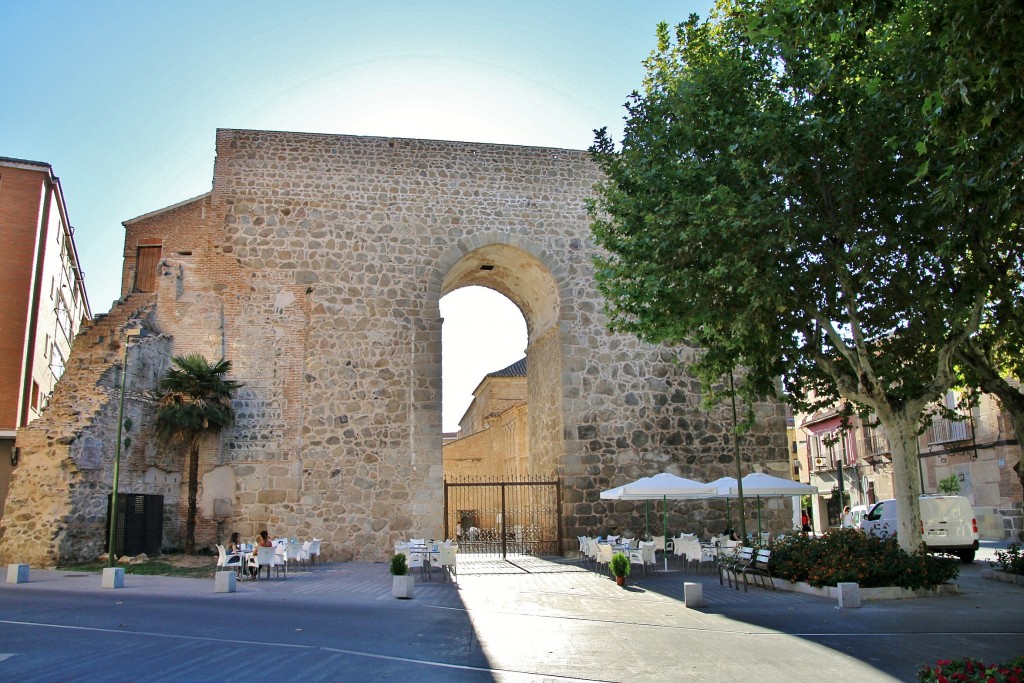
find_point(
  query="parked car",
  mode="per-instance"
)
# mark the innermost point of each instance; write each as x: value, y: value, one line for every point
x: 948, y: 524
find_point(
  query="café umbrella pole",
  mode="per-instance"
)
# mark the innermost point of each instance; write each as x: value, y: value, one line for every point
x: 759, y: 516
x: 664, y: 502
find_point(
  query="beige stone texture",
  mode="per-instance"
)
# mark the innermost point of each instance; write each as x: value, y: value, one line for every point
x: 316, y: 265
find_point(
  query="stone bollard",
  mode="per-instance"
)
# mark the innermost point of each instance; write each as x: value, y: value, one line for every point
x: 113, y: 577
x: 225, y: 582
x: 849, y: 595
x: 693, y: 594
x: 17, y: 573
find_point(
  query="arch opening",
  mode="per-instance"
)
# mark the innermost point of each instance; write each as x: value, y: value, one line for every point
x: 537, y: 427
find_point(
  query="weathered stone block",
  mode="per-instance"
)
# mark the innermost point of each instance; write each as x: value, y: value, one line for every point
x: 17, y: 573
x: 113, y: 577
x: 849, y: 595
x: 225, y: 582
x: 693, y: 594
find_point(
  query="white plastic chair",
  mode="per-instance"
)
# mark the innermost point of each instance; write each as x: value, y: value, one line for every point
x: 281, y: 557
x: 636, y: 557
x: 314, y: 550
x: 296, y: 553
x: 265, y: 557
x: 679, y: 548
x: 647, y: 551
x: 693, y: 552
x: 228, y: 561
x: 444, y: 559
x: 415, y: 561
x: 604, y: 554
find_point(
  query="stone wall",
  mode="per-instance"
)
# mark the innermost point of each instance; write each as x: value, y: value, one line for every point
x: 316, y: 265
x: 56, y: 508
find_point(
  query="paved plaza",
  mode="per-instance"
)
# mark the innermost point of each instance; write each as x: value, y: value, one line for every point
x: 527, y: 619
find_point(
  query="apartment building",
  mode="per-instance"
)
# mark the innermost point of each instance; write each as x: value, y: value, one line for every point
x: 977, y: 447
x: 43, y: 302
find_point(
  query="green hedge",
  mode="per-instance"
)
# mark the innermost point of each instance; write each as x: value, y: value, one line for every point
x: 851, y: 555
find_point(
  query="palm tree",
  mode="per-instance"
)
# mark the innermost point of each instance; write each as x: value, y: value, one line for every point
x: 195, y: 400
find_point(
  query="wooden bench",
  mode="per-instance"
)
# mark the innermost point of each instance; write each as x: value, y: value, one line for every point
x: 759, y: 568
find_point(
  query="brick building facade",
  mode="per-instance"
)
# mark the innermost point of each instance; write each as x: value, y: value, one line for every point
x: 44, y: 302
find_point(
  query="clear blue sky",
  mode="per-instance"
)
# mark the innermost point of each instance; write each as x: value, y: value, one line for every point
x: 123, y: 98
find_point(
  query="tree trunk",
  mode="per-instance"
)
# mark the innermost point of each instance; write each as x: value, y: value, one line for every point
x: 906, y: 477
x: 193, y: 494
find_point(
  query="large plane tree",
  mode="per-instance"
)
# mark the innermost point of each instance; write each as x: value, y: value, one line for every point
x: 791, y: 195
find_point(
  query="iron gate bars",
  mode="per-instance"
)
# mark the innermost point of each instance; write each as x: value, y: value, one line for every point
x: 503, y: 516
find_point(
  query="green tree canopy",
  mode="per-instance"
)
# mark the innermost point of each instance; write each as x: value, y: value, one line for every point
x: 788, y: 197
x: 195, y: 400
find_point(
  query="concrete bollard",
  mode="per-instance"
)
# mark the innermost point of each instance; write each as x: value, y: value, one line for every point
x: 17, y: 573
x: 849, y: 595
x: 225, y: 582
x: 113, y: 577
x: 693, y: 594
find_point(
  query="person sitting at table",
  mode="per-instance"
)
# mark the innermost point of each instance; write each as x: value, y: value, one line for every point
x: 263, y: 540
x: 234, y: 545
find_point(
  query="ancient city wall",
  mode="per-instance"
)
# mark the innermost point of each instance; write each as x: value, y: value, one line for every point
x: 316, y: 264
x: 57, y: 505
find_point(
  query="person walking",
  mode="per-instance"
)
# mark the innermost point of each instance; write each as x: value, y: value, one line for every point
x: 847, y: 518
x: 805, y: 521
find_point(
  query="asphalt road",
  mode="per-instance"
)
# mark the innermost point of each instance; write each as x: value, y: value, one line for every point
x: 529, y: 620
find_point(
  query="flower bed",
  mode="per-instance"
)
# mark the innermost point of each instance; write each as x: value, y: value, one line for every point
x: 1010, y: 561
x: 850, y: 555
x: 970, y: 670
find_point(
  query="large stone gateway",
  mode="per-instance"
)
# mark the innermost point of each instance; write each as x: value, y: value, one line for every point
x: 315, y: 265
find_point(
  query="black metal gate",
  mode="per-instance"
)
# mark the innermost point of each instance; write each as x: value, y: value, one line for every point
x: 140, y: 524
x: 503, y: 517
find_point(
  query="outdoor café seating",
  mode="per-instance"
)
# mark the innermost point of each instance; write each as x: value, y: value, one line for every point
x: 265, y: 558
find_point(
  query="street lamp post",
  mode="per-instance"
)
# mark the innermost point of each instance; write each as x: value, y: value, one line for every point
x: 129, y: 335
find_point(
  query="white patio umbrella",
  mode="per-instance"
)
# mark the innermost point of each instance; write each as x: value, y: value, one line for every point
x: 665, y: 486
x: 759, y: 484
x: 726, y: 487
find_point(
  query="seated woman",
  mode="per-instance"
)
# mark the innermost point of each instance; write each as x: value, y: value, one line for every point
x: 234, y: 545
x: 263, y: 540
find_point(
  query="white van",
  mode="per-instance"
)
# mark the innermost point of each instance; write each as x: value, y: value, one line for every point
x: 948, y: 524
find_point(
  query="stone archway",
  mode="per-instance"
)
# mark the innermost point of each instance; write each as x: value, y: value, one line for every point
x: 517, y: 272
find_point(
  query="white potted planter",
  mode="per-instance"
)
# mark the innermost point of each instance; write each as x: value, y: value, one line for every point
x: 402, y: 581
x: 401, y: 586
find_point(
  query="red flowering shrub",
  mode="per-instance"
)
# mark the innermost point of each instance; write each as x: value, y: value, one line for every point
x: 850, y: 555
x: 971, y: 670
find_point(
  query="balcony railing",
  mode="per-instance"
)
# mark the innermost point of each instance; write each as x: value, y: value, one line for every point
x: 947, y: 431
x: 874, y: 444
